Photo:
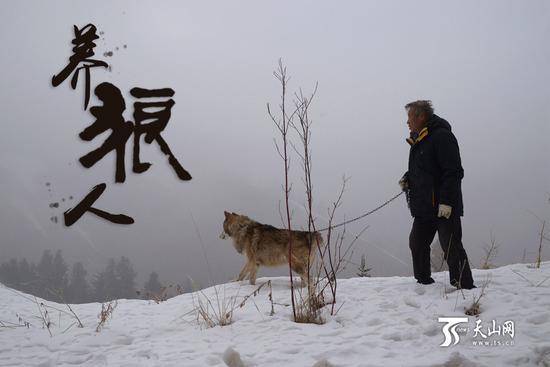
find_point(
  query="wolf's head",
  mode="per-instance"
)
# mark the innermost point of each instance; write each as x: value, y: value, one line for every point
x: 233, y: 222
x: 232, y: 226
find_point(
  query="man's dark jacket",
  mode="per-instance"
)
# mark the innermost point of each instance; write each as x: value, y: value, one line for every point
x: 435, y: 171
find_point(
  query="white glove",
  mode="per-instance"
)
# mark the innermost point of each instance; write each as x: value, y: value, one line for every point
x: 444, y: 211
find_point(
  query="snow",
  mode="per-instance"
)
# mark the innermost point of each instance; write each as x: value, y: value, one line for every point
x: 390, y: 321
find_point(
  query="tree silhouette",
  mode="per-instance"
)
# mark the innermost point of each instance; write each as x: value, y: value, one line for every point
x: 152, y: 286
x: 27, y: 277
x: 60, y: 281
x: 363, y: 270
x: 105, y: 283
x: 45, y: 274
x: 126, y: 278
x: 79, y: 290
x: 9, y: 273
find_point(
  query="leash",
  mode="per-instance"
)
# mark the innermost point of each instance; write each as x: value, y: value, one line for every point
x: 363, y: 215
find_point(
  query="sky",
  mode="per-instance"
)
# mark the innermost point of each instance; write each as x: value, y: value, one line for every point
x: 484, y: 65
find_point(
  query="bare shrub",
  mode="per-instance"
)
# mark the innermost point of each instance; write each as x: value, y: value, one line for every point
x: 283, y: 124
x: 491, y: 251
x: 308, y: 310
x: 332, y: 253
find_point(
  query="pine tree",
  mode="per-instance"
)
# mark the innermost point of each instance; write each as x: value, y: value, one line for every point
x: 60, y: 281
x: 27, y: 277
x: 9, y: 273
x: 363, y: 269
x: 44, y: 271
x: 108, y: 284
x: 116, y: 281
x: 99, y: 285
x: 152, y: 286
x: 79, y: 290
x: 126, y: 278
x: 4, y: 273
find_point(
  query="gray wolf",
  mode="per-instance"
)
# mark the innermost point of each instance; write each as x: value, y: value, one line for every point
x: 265, y: 245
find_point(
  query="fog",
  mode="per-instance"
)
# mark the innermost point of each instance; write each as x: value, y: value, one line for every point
x: 485, y: 66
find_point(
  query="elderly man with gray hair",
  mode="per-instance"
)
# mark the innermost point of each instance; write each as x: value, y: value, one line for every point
x: 434, y: 195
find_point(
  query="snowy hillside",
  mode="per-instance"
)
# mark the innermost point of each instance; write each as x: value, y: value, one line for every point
x: 382, y: 322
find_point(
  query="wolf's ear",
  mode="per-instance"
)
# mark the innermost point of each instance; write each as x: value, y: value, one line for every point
x: 226, y: 214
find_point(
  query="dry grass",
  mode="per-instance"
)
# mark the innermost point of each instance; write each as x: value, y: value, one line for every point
x: 10, y: 325
x: 44, y: 315
x: 475, y: 307
x: 543, y: 237
x: 163, y: 294
x: 214, y: 311
x: 531, y: 283
x: 59, y: 294
x: 218, y: 310
x: 309, y: 309
x: 105, y: 314
x: 491, y: 251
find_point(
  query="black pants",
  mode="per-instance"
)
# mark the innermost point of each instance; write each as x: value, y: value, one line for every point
x: 450, y: 238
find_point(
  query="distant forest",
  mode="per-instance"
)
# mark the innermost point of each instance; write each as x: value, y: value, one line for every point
x: 52, y: 279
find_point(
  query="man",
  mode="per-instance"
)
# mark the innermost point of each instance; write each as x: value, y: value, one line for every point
x: 432, y: 184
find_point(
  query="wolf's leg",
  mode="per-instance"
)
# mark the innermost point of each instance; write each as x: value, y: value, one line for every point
x: 244, y: 271
x: 301, y: 269
x: 305, y: 280
x: 253, y: 272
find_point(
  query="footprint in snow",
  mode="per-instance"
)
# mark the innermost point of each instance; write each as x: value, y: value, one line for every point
x: 410, y: 302
x: 374, y: 322
x: 232, y: 358
x: 411, y: 321
x: 124, y: 340
x: 538, y: 319
x: 396, y: 337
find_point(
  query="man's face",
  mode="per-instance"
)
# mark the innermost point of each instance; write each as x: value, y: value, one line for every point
x: 416, y: 123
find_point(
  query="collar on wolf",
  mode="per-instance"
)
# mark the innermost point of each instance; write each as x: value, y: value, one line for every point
x: 416, y: 137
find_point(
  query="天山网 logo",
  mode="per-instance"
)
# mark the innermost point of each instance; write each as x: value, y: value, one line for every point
x: 479, y: 337
x: 449, y: 330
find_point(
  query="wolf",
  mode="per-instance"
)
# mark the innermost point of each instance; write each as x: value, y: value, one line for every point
x: 263, y: 244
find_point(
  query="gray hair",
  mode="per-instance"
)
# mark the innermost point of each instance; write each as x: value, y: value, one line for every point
x: 419, y: 107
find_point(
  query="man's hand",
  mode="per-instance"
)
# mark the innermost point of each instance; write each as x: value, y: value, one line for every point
x: 404, y: 183
x: 444, y: 211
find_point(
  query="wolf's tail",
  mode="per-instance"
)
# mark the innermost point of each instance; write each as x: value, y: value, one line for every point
x: 318, y: 239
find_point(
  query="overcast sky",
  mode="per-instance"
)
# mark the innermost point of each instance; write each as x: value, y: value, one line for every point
x: 484, y: 64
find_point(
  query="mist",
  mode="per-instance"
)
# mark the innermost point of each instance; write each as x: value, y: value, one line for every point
x: 484, y: 65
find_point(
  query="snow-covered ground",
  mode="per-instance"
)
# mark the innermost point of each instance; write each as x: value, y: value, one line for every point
x: 386, y: 322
